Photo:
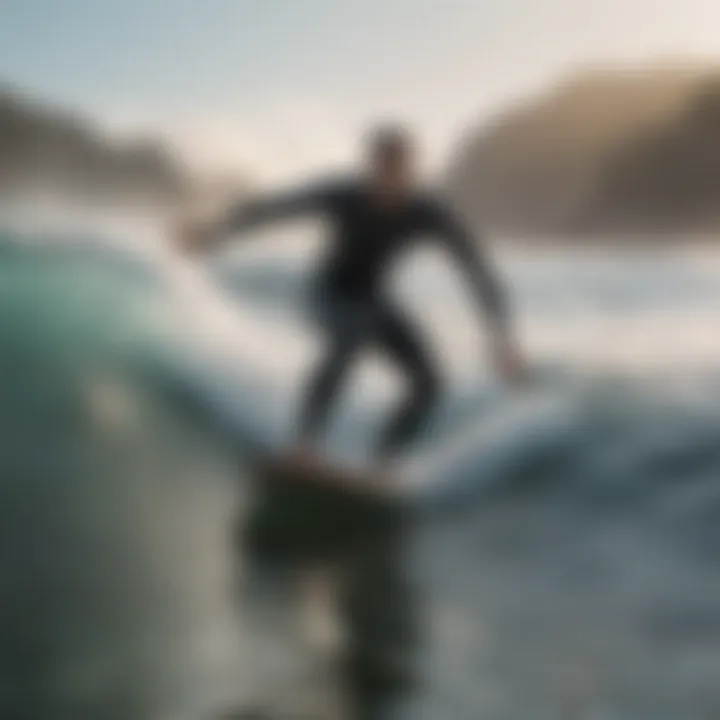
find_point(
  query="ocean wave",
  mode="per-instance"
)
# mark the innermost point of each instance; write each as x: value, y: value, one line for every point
x: 566, y: 550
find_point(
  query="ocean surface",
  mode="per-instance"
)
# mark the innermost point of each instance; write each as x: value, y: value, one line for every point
x: 568, y: 564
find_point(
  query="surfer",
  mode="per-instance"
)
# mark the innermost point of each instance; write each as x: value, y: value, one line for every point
x: 374, y: 216
x: 304, y: 514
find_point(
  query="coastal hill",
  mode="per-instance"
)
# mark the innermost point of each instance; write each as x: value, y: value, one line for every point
x: 605, y: 151
x: 49, y: 153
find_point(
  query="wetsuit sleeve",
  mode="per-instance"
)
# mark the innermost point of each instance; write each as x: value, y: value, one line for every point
x: 303, y: 201
x: 467, y: 249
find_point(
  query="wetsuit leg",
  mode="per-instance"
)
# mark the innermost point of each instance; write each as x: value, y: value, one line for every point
x: 397, y: 337
x: 347, y: 325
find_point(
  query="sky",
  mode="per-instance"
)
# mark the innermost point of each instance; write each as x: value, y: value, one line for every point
x: 282, y: 87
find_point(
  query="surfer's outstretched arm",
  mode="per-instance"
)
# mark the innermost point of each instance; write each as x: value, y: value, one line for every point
x: 300, y: 202
x: 489, y: 291
x: 297, y: 203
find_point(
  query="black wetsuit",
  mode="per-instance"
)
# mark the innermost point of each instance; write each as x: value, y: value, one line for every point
x: 352, y: 306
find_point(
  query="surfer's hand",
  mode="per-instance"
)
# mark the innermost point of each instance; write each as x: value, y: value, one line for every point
x: 508, y: 359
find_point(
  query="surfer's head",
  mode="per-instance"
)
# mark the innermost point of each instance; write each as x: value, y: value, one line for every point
x: 391, y: 156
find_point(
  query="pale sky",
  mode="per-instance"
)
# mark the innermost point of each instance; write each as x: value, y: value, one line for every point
x: 281, y: 87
